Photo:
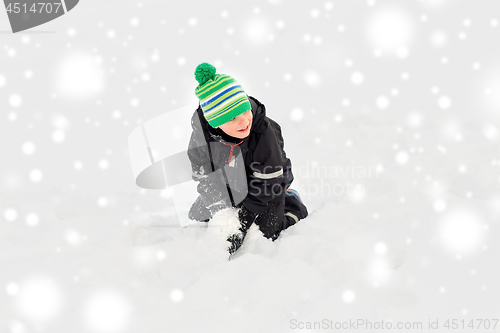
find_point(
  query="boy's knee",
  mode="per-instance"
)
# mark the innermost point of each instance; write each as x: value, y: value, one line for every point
x: 293, y: 206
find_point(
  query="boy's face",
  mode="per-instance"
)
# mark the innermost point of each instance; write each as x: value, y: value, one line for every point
x: 240, y: 126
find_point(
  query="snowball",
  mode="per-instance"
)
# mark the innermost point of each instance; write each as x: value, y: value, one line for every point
x: 39, y: 299
x: 2, y: 80
x: 78, y: 165
x: 192, y: 21
x: 107, y: 311
x: 111, y: 34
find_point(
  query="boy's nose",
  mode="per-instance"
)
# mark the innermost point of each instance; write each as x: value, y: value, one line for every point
x: 243, y: 120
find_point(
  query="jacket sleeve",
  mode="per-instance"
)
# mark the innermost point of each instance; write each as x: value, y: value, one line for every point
x: 266, y: 172
x: 211, y: 186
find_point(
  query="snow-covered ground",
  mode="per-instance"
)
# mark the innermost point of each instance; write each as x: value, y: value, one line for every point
x: 390, y: 114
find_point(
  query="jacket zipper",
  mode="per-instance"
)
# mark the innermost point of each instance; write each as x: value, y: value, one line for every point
x: 232, y: 149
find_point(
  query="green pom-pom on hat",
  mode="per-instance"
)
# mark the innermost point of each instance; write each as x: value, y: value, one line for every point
x: 204, y: 72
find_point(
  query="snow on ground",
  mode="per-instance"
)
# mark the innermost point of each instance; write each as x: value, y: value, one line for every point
x: 376, y: 258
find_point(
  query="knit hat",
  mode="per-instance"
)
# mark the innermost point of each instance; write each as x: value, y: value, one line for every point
x: 221, y: 97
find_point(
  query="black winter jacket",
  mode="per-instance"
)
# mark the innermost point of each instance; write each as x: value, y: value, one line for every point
x: 252, y: 172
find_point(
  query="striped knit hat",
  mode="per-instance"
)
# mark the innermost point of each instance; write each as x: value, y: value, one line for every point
x: 221, y: 97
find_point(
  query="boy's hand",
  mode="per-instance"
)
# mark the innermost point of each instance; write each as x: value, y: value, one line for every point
x: 246, y: 218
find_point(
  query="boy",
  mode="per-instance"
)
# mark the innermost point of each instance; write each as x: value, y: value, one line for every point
x: 237, y: 156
